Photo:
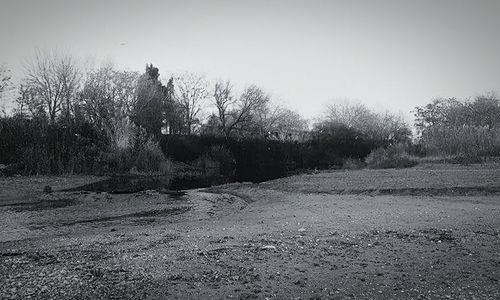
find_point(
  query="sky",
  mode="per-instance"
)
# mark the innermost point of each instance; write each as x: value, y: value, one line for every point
x: 388, y: 55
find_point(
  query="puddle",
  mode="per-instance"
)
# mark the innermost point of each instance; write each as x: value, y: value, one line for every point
x: 163, y: 184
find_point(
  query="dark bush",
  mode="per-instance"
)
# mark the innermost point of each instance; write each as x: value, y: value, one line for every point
x: 417, y: 149
x: 40, y: 148
x: 118, y: 161
x: 353, y: 164
x: 187, y: 148
x: 263, y: 159
x: 332, y: 143
x: 258, y: 160
x: 224, y: 159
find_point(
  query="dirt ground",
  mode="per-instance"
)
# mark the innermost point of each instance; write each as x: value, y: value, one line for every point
x: 429, y: 232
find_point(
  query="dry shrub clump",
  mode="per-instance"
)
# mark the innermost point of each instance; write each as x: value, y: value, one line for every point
x: 394, y: 156
x: 151, y: 160
x: 144, y: 159
x: 118, y: 160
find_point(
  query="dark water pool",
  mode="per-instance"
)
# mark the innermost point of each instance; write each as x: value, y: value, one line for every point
x: 165, y: 184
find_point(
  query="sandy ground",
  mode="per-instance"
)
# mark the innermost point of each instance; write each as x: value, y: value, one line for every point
x: 429, y: 232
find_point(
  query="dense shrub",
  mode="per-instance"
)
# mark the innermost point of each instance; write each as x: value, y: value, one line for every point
x: 206, y: 163
x: 417, y: 149
x: 391, y: 157
x: 466, y: 143
x: 262, y: 159
x: 333, y: 142
x: 222, y: 159
x: 187, y: 148
x: 36, y: 147
x: 145, y: 159
x: 150, y: 159
x: 40, y: 148
x: 353, y: 164
x: 460, y: 131
x: 117, y: 161
x: 258, y: 160
x: 464, y: 159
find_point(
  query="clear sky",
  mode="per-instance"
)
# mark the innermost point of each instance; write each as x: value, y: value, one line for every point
x: 386, y: 54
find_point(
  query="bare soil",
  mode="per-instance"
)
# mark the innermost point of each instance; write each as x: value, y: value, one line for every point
x: 428, y: 232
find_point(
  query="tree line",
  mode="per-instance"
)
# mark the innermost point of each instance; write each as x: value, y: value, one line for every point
x: 468, y: 129
x: 55, y: 90
x: 73, y: 119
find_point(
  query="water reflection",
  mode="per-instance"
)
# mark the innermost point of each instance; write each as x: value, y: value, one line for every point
x: 166, y: 184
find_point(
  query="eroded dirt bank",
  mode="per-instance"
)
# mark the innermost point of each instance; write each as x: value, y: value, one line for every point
x: 422, y: 233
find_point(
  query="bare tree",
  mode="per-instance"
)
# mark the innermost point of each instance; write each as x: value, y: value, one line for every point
x: 386, y: 128
x: 106, y: 99
x: 352, y: 115
x: 224, y: 100
x: 191, y: 93
x: 4, y: 86
x: 55, y: 79
x: 24, y: 101
x: 285, y: 124
x: 251, y: 111
x: 5, y: 78
x: 239, y: 114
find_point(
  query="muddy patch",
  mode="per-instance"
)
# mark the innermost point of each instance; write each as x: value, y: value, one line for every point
x: 431, y: 234
x: 148, y: 215
x: 40, y: 205
x: 448, y: 191
x: 223, y: 190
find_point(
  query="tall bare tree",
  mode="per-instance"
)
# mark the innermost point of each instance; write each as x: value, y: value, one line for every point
x: 5, y: 83
x: 4, y: 79
x: 106, y: 99
x: 191, y: 94
x: 55, y: 79
x: 224, y: 100
x: 24, y: 101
